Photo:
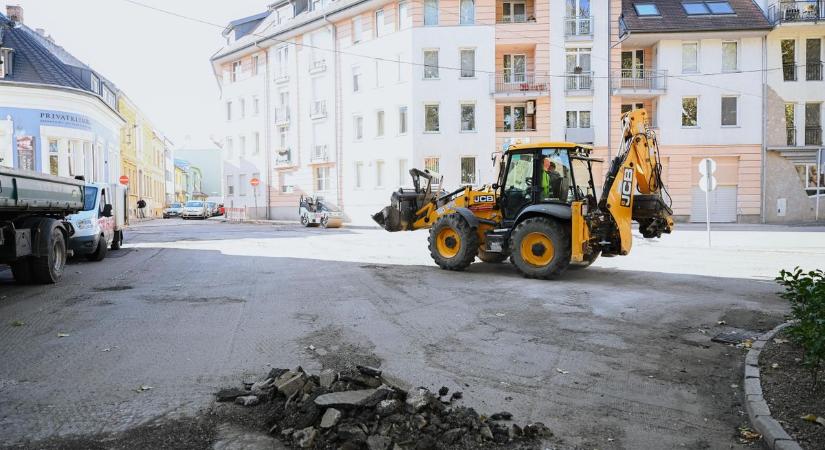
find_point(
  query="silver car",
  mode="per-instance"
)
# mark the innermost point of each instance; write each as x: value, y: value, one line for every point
x: 195, y: 209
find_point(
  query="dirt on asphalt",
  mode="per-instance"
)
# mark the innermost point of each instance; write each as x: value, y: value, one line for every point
x: 788, y: 388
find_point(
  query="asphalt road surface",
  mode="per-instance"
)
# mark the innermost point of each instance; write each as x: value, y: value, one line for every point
x: 614, y: 356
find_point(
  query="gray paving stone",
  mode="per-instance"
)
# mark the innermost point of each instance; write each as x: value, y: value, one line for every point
x: 753, y: 386
x: 782, y: 444
x: 770, y: 429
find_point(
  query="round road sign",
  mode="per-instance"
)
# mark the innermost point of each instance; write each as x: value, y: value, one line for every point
x: 124, y: 180
x: 254, y: 181
x: 703, y: 166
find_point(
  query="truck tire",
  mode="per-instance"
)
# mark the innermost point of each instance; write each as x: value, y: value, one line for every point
x: 491, y: 257
x: 100, y: 252
x: 22, y: 271
x: 117, y: 242
x: 540, y: 248
x: 48, y: 269
x: 453, y: 242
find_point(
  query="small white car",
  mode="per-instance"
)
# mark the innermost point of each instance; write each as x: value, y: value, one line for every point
x: 195, y: 209
x: 101, y: 223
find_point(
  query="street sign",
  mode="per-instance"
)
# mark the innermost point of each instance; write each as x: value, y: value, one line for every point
x: 707, y: 183
x: 703, y: 169
x: 124, y: 180
x: 705, y: 186
x: 254, y: 181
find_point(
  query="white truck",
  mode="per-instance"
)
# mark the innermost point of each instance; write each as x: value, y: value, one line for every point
x: 100, y: 225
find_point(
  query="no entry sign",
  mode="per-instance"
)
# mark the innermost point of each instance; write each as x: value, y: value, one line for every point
x: 124, y: 180
x: 254, y: 181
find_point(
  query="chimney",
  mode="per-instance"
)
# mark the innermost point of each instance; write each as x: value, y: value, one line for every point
x: 15, y: 13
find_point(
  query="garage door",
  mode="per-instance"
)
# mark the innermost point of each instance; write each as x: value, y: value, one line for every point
x: 722, y: 204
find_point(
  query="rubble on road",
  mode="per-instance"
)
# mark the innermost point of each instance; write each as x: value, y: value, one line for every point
x: 368, y: 409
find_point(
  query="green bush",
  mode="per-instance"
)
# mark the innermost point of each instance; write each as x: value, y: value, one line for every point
x: 806, y: 292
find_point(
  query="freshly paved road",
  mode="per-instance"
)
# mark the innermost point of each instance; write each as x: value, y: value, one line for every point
x: 614, y: 356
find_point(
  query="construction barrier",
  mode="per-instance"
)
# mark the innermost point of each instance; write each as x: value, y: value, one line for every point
x: 236, y: 214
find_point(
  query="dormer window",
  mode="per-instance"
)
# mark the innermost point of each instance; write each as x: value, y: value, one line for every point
x: 707, y: 8
x: 646, y: 9
x: 95, y: 84
x: 719, y: 7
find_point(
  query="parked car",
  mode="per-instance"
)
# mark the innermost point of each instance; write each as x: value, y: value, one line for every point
x: 213, y: 208
x: 99, y: 226
x: 195, y: 209
x: 221, y: 209
x: 174, y: 210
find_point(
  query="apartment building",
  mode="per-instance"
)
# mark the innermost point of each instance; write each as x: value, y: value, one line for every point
x: 795, y: 95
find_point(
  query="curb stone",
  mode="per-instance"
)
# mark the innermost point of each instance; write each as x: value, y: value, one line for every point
x: 760, y: 415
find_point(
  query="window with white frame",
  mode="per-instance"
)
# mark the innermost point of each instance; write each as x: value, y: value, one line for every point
x: 730, y: 111
x: 431, y: 119
x: 359, y: 174
x: 242, y: 104
x: 514, y: 12
x: 379, y: 123
x: 813, y: 179
x: 431, y: 164
x: 236, y: 71
x: 467, y: 12
x: 255, y: 66
x: 402, y: 120
x: 242, y: 145
x: 578, y: 119
x: 283, y: 132
x: 256, y: 106
x: 399, y: 74
x: 404, y: 18
x: 356, y: 78
x: 322, y: 179
x: 690, y: 111
x: 468, y: 170
x: 430, y: 12
x: 468, y: 117
x: 730, y: 56
x: 468, y: 63
x: 229, y: 110
x: 256, y: 143
x: 230, y: 185
x: 358, y: 127
x: 690, y: 57
x: 403, y: 173
x: 379, y: 78
x: 282, y: 59
x: 430, y: 64
x: 242, y: 184
x: 379, y: 173
x: 380, y: 25
x: 95, y: 84
x: 229, y: 148
x: 357, y: 29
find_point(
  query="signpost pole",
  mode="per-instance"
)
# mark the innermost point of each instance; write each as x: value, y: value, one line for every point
x: 708, y: 186
x: 818, y: 178
x: 255, y: 194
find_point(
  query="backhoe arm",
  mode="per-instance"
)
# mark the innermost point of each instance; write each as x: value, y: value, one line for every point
x: 633, y: 188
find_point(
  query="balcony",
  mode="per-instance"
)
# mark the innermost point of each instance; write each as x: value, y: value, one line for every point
x: 515, y: 13
x: 515, y: 129
x: 789, y: 71
x: 283, y: 158
x: 521, y: 85
x: 789, y: 12
x: 790, y: 139
x: 282, y: 115
x: 319, y: 154
x: 317, y: 66
x: 813, y: 136
x: 813, y: 71
x: 579, y: 83
x: 639, y: 83
x: 579, y: 135
x: 578, y: 28
x: 318, y: 109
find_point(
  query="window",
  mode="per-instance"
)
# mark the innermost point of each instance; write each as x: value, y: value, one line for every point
x: 380, y: 26
x: 468, y: 12
x: 256, y: 143
x: 812, y: 179
x: 468, y: 170
x: 695, y: 8
x: 95, y: 84
x: 379, y: 124
x: 282, y: 137
x: 254, y: 65
x: 402, y: 120
x: 515, y: 68
x: 729, y: 111
x: 230, y: 187
x: 379, y: 173
x: 281, y: 57
x: 242, y: 104
x: 789, y: 124
x: 256, y: 106
x: 236, y: 71
x: 513, y: 12
x: 646, y: 9
x: 730, y: 56
x: 322, y: 181
x: 242, y: 184
x: 430, y: 64
x: 356, y: 79
x: 378, y: 77
x: 813, y: 59
x: 242, y: 145
x: 719, y: 7
x: 229, y: 148
x: 690, y: 57
x: 468, y: 117
x: 578, y: 119
x: 431, y: 124
x: 54, y: 155
x: 813, y: 124
x: 228, y: 110
x: 431, y: 164
x: 358, y: 125
x: 359, y: 174
x: 356, y: 30
x: 690, y: 111
x: 404, y: 20
x: 430, y: 12
x: 515, y: 118
x: 468, y: 63
x: 399, y: 74
x: 632, y: 106
x: 788, y: 47
x: 402, y: 172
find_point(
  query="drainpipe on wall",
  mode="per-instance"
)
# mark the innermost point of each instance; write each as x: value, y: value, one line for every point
x: 339, y: 151
x: 267, y: 135
x: 764, y: 158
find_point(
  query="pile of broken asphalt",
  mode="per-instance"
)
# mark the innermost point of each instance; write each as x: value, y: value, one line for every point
x: 367, y: 409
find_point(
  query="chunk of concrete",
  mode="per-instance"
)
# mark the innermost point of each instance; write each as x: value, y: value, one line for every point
x: 247, y: 400
x: 292, y: 385
x: 330, y: 418
x: 327, y: 377
x: 305, y: 438
x: 345, y: 398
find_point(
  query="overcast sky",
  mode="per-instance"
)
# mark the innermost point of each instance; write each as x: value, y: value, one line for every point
x: 160, y: 61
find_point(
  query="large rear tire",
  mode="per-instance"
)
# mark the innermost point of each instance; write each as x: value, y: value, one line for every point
x: 453, y: 242
x: 48, y: 269
x: 492, y: 258
x: 540, y: 248
x: 100, y: 252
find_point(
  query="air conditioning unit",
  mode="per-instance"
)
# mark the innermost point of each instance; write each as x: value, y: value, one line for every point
x: 531, y: 107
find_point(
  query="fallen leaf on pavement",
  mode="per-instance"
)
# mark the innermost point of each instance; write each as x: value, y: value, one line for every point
x: 63, y: 335
x: 18, y: 323
x: 747, y: 343
x: 563, y: 372
x: 775, y: 366
x: 814, y: 418
x: 748, y: 434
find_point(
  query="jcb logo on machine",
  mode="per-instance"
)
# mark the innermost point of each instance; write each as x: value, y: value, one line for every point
x: 626, y: 187
x: 484, y: 199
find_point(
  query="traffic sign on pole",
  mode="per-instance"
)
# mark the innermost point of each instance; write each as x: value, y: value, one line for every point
x: 124, y: 180
x: 254, y: 181
x: 707, y: 183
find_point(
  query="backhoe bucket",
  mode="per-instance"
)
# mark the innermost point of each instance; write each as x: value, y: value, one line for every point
x: 389, y: 218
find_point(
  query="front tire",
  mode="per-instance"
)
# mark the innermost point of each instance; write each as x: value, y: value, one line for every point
x: 540, y: 248
x: 100, y: 252
x: 453, y: 242
x: 49, y: 268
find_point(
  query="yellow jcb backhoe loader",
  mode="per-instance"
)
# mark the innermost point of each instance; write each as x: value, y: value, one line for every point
x: 542, y: 212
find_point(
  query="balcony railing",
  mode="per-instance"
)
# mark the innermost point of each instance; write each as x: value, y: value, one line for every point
x: 578, y: 26
x: 282, y: 115
x: 317, y: 66
x: 515, y: 129
x: 579, y: 82
x: 790, y: 134
x: 803, y: 11
x: 283, y: 157
x: 319, y: 154
x: 639, y: 80
x: 813, y: 135
x: 526, y: 17
x: 789, y: 71
x: 813, y: 71
x: 318, y: 109
x: 524, y: 82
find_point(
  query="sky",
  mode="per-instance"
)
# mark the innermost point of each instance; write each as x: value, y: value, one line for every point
x: 161, y: 62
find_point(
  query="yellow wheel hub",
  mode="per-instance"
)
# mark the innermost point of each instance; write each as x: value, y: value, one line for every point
x: 537, y: 249
x: 448, y: 242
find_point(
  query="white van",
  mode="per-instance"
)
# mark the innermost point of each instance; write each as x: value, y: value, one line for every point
x: 101, y: 223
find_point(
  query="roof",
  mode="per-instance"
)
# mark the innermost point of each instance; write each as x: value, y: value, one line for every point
x: 245, y: 25
x: 673, y: 18
x: 534, y: 145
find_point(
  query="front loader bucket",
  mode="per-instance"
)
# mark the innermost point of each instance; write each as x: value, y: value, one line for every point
x: 389, y: 218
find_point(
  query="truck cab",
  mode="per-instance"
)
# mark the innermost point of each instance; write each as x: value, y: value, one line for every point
x: 99, y: 226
